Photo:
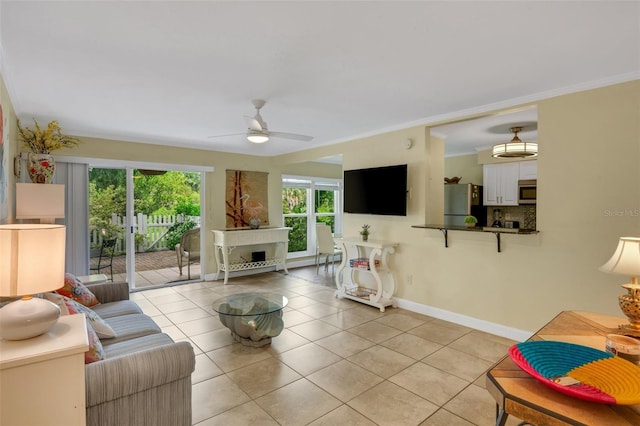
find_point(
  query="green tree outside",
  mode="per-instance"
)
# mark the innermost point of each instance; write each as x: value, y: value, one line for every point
x: 294, y: 201
x: 171, y: 193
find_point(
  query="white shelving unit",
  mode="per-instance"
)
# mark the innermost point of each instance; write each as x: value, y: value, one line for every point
x: 372, y: 285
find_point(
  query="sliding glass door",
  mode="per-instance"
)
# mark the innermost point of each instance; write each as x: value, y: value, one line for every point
x: 136, y: 219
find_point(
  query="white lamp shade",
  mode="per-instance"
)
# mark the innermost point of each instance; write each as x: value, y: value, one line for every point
x: 39, y: 201
x: 31, y: 258
x: 626, y: 258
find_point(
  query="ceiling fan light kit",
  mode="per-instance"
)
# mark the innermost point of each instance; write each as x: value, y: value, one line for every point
x: 515, y: 148
x: 257, y: 131
x: 257, y: 137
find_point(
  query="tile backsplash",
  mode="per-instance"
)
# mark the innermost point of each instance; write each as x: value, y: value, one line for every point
x: 526, y: 215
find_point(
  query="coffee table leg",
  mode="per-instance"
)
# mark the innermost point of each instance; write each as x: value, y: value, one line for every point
x: 254, y: 330
x: 501, y: 416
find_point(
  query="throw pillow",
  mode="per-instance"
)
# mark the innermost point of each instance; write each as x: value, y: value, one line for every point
x: 96, y: 351
x: 70, y: 307
x: 76, y: 290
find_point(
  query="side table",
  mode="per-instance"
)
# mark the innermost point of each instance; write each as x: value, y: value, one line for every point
x: 42, y: 378
x: 93, y: 279
x: 518, y: 394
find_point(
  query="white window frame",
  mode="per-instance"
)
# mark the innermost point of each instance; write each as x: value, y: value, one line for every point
x: 312, y: 184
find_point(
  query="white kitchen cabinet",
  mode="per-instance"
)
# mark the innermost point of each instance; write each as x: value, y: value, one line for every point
x: 500, y: 183
x: 529, y: 170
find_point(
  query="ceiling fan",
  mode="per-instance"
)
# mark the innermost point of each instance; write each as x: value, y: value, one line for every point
x: 258, y: 132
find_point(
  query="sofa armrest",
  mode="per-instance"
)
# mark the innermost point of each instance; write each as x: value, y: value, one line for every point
x: 110, y: 291
x: 120, y: 377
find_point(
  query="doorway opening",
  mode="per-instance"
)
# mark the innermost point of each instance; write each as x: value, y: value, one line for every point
x: 147, y: 213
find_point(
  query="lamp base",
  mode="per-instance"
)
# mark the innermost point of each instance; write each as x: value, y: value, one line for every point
x: 628, y: 330
x: 28, y: 317
x: 630, y: 306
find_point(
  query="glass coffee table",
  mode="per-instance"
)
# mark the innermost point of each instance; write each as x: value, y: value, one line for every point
x: 253, y: 318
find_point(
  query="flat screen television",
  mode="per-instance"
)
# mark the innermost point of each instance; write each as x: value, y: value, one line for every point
x: 378, y: 190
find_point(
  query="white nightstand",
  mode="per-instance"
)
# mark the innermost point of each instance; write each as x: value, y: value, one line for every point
x: 42, y: 379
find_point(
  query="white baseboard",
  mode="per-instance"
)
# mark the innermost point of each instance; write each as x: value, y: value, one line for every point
x: 467, y: 321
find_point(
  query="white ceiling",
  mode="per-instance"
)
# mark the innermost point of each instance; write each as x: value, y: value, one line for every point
x: 470, y: 136
x: 177, y: 72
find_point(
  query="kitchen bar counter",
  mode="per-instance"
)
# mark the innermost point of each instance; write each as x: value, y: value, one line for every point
x: 496, y: 231
x: 479, y: 229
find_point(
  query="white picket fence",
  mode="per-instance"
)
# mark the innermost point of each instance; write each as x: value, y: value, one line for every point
x: 154, y: 228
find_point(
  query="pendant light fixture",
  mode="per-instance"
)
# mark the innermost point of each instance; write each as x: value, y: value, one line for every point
x: 515, y: 148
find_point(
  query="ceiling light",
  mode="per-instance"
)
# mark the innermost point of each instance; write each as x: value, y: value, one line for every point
x: 257, y: 137
x: 515, y: 148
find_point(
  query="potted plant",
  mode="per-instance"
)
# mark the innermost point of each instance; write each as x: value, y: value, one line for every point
x: 365, y: 232
x: 470, y: 221
x: 42, y: 142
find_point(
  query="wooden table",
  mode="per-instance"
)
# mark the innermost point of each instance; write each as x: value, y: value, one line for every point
x: 518, y: 394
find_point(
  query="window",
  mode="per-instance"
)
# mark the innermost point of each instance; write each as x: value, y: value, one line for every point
x: 305, y: 201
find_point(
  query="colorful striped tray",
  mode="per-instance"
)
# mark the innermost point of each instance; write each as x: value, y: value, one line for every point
x: 580, y: 371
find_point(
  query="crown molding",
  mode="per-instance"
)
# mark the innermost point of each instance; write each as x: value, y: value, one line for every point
x: 506, y: 104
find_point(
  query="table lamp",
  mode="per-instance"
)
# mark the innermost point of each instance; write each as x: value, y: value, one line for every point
x: 31, y: 262
x: 626, y: 261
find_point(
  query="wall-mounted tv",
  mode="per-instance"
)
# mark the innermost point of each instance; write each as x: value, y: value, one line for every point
x: 378, y: 190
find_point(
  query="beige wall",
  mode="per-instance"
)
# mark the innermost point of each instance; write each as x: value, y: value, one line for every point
x: 313, y: 168
x: 10, y: 149
x: 465, y: 166
x: 589, y: 196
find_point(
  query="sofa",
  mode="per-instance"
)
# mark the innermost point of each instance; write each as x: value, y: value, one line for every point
x: 145, y: 377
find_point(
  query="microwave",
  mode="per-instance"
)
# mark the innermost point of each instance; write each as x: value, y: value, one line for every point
x: 527, y: 191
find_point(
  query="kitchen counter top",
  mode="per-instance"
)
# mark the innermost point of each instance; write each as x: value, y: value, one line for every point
x: 478, y: 229
x: 496, y: 231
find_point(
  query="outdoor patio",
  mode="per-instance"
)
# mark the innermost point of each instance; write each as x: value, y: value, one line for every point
x: 153, y: 268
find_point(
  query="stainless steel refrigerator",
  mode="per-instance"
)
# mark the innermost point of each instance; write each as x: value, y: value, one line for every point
x: 462, y: 200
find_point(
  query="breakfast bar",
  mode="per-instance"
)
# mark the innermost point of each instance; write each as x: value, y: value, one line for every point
x: 496, y: 231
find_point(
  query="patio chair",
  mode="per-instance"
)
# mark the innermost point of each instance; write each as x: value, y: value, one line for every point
x: 105, y: 260
x: 188, y: 249
x: 325, y: 246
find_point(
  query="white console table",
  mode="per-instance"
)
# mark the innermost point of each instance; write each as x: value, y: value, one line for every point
x: 373, y: 285
x: 227, y: 240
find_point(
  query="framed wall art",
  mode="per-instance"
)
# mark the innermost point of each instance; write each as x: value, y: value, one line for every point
x: 247, y: 199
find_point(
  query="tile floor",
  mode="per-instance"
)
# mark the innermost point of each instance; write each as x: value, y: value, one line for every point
x: 338, y: 362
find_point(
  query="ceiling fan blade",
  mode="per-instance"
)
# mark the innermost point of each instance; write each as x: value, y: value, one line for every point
x: 293, y: 136
x: 230, y: 134
x: 253, y: 123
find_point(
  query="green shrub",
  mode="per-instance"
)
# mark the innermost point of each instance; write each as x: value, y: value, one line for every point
x: 176, y: 230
